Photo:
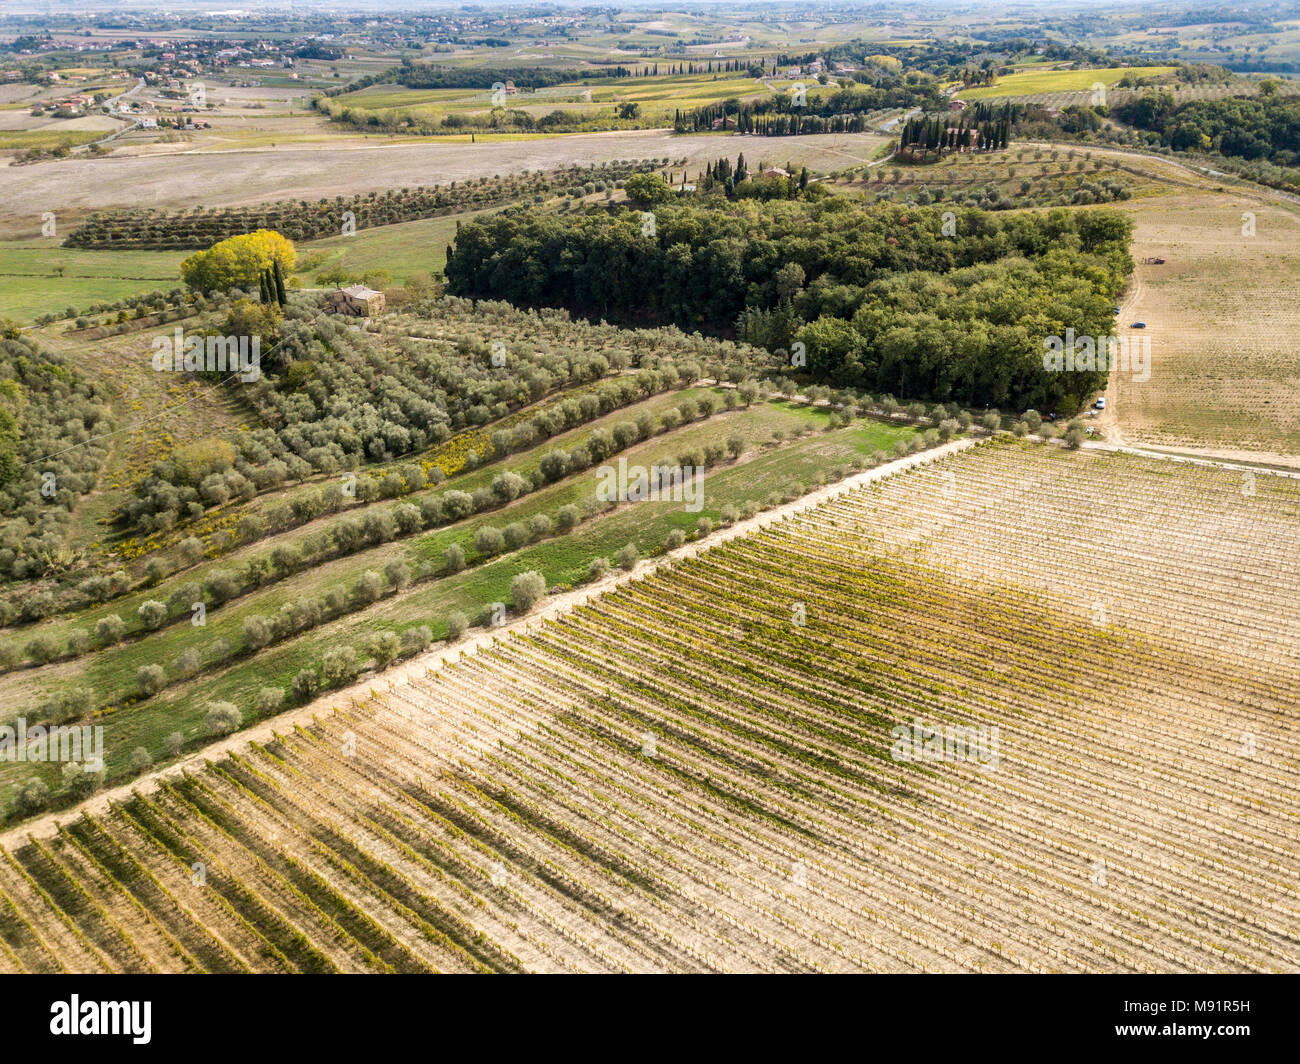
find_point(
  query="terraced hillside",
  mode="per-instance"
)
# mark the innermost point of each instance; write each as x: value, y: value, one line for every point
x: 702, y: 769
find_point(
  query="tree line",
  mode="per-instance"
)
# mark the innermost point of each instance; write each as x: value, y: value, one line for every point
x: 771, y: 115
x: 1248, y: 127
x: 200, y: 227
x: 414, y: 75
x: 924, y: 137
x: 792, y: 124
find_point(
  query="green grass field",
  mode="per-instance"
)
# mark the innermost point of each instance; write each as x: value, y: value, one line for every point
x: 401, y: 249
x: 23, y: 139
x: 1033, y: 82
x: 32, y: 287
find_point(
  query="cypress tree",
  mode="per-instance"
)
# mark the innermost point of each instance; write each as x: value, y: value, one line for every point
x: 278, y: 276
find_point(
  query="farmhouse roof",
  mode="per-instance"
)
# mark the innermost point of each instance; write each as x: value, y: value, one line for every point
x: 360, y: 291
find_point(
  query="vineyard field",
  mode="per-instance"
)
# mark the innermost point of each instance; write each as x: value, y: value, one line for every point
x: 700, y: 768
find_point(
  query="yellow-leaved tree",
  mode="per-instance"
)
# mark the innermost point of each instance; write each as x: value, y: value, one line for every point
x: 238, y: 261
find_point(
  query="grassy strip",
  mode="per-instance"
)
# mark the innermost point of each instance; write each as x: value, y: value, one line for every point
x: 773, y: 475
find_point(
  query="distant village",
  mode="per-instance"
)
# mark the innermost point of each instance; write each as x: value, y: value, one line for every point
x: 171, y: 67
x: 163, y: 63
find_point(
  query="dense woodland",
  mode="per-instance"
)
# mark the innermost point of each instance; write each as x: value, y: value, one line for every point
x: 1256, y: 137
x: 1249, y: 127
x: 880, y: 296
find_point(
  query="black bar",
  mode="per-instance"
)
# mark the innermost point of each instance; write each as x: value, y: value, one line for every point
x: 723, y: 1014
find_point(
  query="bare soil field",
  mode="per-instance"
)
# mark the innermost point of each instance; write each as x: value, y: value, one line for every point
x: 26, y: 120
x: 1222, y: 316
x: 21, y: 120
x: 243, y: 95
x: 16, y: 95
x: 182, y: 177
